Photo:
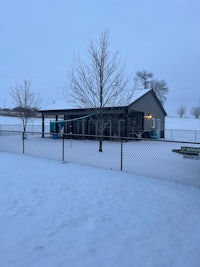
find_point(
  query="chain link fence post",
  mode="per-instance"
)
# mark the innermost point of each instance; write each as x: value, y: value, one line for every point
x: 23, y: 137
x: 63, y: 148
x: 121, y: 154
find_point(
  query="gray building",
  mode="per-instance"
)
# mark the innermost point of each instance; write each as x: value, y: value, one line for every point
x: 144, y: 117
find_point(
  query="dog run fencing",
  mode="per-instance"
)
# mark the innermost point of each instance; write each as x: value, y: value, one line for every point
x: 142, y: 157
x: 182, y: 135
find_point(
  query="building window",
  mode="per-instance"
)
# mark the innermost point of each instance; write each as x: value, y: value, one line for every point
x: 153, y: 123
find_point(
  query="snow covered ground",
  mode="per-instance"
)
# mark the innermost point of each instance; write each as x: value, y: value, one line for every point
x: 59, y: 215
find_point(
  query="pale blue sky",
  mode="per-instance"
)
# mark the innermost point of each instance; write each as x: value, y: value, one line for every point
x: 39, y: 38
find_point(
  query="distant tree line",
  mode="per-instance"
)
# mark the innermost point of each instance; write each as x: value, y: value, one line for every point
x: 195, y: 111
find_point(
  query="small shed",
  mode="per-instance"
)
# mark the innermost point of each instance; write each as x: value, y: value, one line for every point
x: 144, y: 116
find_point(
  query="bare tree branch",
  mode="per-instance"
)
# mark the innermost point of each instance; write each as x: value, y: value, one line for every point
x: 181, y: 111
x: 196, y: 112
x: 160, y: 88
x: 144, y: 79
x: 99, y: 81
x: 25, y: 100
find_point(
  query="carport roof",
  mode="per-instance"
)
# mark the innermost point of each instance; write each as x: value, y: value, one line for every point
x: 64, y: 105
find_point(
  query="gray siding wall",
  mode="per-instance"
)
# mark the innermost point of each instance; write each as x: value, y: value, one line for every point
x: 149, y: 105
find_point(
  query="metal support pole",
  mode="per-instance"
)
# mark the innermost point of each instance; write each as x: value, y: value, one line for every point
x: 63, y: 149
x: 121, y: 165
x: 23, y: 137
x: 43, y: 126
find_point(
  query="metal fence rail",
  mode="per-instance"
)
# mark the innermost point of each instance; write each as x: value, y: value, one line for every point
x: 146, y: 157
x: 31, y: 127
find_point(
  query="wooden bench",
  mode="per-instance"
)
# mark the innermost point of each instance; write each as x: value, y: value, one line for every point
x: 190, y: 150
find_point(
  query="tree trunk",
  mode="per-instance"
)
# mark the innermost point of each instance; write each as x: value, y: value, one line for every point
x: 100, y: 145
x: 101, y: 134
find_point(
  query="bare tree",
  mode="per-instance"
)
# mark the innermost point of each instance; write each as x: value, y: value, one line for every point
x: 25, y: 100
x: 181, y: 111
x: 196, y: 112
x: 160, y: 88
x: 144, y: 79
x: 99, y: 81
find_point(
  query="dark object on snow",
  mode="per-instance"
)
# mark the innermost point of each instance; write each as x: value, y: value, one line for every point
x: 188, y: 152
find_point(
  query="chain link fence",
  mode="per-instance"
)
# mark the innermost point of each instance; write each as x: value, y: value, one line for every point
x: 182, y: 135
x: 30, y: 127
x: 144, y: 157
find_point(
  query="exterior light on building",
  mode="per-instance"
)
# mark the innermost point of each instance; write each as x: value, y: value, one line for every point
x: 148, y: 116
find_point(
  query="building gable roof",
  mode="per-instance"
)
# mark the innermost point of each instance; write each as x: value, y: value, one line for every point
x: 139, y: 93
x: 64, y: 105
x: 150, y: 91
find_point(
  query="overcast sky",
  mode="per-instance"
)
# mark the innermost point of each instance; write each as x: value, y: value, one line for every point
x: 39, y: 38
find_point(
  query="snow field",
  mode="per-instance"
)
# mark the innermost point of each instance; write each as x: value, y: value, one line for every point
x: 60, y: 215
